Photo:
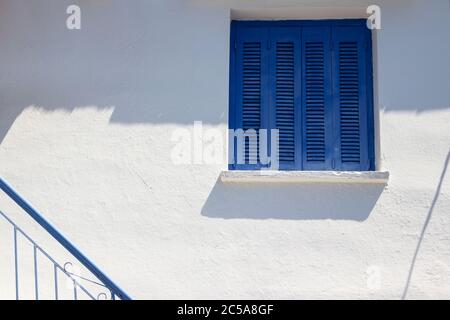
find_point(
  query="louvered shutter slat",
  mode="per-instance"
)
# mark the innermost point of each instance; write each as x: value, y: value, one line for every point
x: 351, y: 118
x: 349, y: 102
x: 251, y: 96
x: 285, y: 90
x: 316, y: 102
x: 250, y: 87
x: 285, y: 104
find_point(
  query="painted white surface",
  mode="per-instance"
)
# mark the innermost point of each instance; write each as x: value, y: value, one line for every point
x: 85, y: 123
x: 264, y: 176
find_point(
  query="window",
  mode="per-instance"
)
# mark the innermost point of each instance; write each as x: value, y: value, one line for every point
x: 311, y: 81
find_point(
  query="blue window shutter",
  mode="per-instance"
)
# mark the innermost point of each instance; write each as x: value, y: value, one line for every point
x: 311, y: 80
x: 350, y: 67
x: 285, y: 89
x: 317, y: 113
x: 251, y: 94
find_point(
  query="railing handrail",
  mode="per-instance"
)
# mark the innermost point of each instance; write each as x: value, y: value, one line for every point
x: 33, y: 213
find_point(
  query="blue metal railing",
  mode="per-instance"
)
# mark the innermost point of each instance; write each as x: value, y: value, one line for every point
x: 33, y: 213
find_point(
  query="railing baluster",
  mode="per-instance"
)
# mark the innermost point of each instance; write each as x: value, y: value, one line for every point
x: 56, y: 281
x: 16, y: 266
x: 36, y: 287
x: 75, y: 290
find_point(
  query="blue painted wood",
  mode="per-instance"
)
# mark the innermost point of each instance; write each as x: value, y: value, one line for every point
x: 251, y: 101
x: 331, y: 120
x: 285, y: 91
x: 232, y: 114
x: 350, y: 67
x: 300, y: 23
x: 370, y: 101
x: 317, y: 110
x: 33, y: 213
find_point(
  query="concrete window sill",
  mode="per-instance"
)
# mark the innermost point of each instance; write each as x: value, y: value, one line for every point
x: 347, y: 177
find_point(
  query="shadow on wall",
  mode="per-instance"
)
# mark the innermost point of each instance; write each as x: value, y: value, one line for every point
x: 149, y: 61
x: 425, y: 226
x: 292, y: 202
x: 160, y: 64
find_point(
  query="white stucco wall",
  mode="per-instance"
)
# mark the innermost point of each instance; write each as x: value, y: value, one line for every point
x: 85, y: 124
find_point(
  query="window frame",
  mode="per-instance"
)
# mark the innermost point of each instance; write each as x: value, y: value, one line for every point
x: 233, y: 83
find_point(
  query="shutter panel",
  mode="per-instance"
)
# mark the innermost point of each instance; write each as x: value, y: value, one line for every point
x: 285, y: 56
x: 350, y: 80
x: 349, y: 88
x: 284, y: 100
x: 251, y: 96
x: 317, y: 105
x: 251, y: 63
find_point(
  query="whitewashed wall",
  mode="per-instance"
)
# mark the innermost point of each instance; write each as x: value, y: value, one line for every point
x: 85, y: 124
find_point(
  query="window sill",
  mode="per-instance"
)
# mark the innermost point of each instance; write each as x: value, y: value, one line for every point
x: 347, y: 177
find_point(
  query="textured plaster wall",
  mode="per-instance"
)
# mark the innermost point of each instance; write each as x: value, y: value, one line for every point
x: 85, y: 124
